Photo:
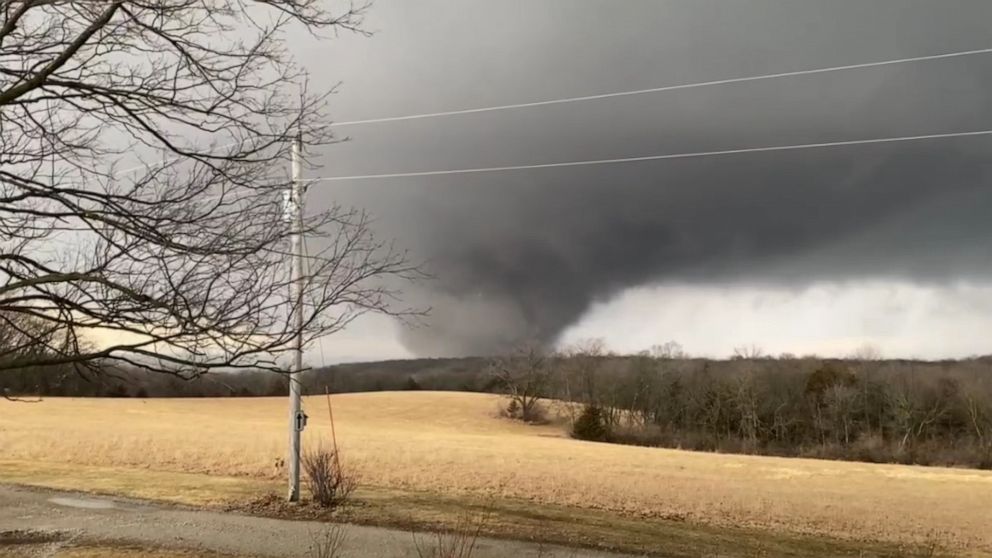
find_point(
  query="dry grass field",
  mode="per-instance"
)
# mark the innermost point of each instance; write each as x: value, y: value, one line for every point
x: 453, y: 444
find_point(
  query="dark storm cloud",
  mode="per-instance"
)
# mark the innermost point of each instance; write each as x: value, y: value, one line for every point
x: 524, y: 254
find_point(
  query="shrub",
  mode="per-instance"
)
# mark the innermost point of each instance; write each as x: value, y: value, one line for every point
x: 461, y: 542
x: 327, y: 542
x: 591, y: 425
x: 329, y: 485
x: 535, y: 414
x: 871, y: 448
x: 512, y: 409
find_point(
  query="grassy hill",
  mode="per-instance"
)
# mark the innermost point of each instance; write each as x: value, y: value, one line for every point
x: 423, y: 448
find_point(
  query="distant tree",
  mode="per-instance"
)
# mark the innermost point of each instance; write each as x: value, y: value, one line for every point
x: 748, y: 352
x: 591, y: 425
x: 581, y: 365
x: 24, y: 341
x: 827, y: 376
x: 525, y: 376
x: 278, y: 385
x: 840, y: 402
x: 412, y: 384
x: 866, y: 360
x: 668, y: 350
x: 867, y: 352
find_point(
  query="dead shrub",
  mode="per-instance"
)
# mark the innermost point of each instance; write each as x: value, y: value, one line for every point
x: 535, y: 413
x: 510, y: 410
x: 871, y: 448
x: 329, y: 485
x: 457, y: 543
x: 327, y: 542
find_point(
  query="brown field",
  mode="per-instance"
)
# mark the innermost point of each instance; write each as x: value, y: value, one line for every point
x: 452, y: 444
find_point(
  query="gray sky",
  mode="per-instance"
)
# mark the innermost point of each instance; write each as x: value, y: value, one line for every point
x: 813, y: 251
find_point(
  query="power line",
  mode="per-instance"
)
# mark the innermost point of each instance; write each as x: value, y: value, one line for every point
x: 619, y: 94
x: 793, y: 147
x: 665, y: 88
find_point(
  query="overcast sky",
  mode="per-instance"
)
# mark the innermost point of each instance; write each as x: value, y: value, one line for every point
x: 804, y: 251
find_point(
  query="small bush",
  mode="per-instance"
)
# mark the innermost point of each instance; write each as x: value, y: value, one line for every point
x: 591, y: 425
x: 327, y: 542
x: 329, y: 485
x: 535, y: 413
x: 871, y: 448
x: 512, y: 409
x: 461, y: 542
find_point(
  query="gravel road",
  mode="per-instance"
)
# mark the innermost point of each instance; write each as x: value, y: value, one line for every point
x: 93, y: 518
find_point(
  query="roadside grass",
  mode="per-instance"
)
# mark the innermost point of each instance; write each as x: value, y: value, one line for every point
x: 103, y: 550
x: 34, y: 544
x: 525, y: 520
x: 428, y: 512
x: 162, y: 486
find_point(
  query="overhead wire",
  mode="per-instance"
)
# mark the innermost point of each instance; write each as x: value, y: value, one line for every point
x: 688, y: 155
x: 661, y: 89
x: 563, y: 100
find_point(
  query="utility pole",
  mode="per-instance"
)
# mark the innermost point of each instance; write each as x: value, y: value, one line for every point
x: 297, y: 420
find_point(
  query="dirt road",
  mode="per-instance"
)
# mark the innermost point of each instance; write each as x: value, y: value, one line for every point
x: 71, y: 516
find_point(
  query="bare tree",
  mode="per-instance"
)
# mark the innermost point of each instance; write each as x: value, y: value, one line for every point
x: 867, y: 358
x: 748, y: 352
x: 327, y: 541
x: 669, y: 350
x: 180, y: 260
x: 581, y: 367
x: 840, y: 403
x: 526, y: 376
x: 24, y: 339
x: 866, y: 352
x: 748, y: 402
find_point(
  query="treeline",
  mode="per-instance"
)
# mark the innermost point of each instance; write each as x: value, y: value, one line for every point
x: 927, y: 413
x: 449, y: 374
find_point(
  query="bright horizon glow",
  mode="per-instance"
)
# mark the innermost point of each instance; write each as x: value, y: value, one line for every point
x: 900, y: 319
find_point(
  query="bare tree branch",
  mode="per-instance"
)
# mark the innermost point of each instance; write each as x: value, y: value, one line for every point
x: 178, y: 261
